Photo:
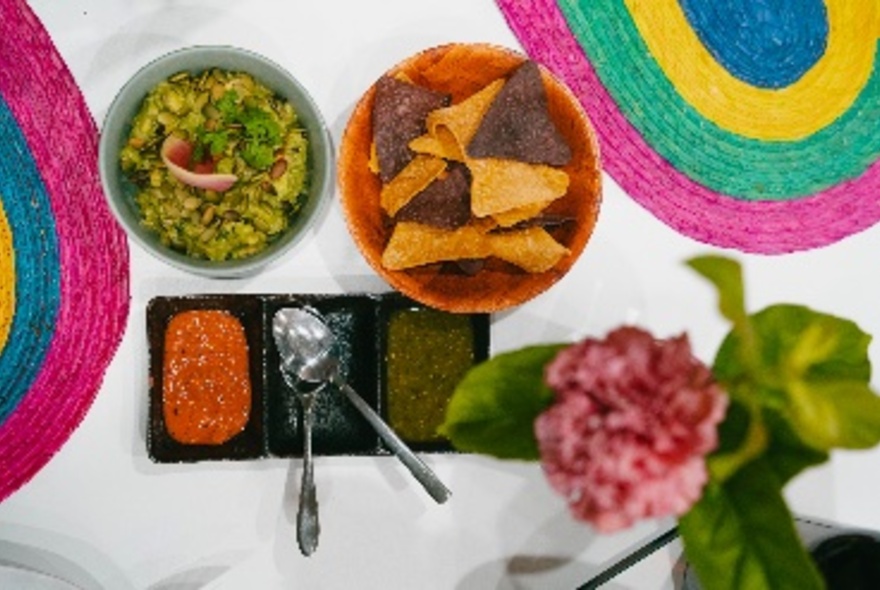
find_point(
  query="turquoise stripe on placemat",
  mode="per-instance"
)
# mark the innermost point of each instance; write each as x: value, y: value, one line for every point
x: 37, y: 291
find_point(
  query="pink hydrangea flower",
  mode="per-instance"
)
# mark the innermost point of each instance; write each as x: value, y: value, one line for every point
x: 627, y: 436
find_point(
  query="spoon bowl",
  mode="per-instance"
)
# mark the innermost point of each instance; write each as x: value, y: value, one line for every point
x: 301, y: 338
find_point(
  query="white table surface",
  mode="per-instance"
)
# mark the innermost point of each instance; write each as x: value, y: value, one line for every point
x: 102, y: 515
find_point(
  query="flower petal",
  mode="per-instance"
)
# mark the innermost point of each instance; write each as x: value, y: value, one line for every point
x: 632, y: 421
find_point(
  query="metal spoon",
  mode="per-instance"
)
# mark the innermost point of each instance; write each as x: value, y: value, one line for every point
x: 288, y: 339
x: 323, y: 367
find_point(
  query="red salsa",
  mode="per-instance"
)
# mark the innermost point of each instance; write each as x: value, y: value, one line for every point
x: 206, y: 386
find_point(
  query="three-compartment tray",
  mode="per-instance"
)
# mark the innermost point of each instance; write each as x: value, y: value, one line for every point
x: 361, y: 324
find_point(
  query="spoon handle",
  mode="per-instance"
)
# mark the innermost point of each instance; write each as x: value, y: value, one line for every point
x: 307, y: 524
x: 417, y: 467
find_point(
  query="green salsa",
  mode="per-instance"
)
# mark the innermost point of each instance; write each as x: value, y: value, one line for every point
x: 428, y: 353
x: 234, y: 125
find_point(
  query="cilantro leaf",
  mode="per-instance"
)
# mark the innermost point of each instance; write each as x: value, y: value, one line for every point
x: 260, y: 127
x: 262, y: 137
x: 258, y: 155
x: 228, y: 106
x: 259, y: 132
x: 216, y: 141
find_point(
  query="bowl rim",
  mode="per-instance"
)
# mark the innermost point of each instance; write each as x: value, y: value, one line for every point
x: 321, y: 167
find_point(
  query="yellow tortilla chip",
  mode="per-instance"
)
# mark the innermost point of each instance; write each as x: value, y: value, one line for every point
x: 428, y: 144
x: 502, y: 185
x: 463, y: 119
x: 413, y: 244
x: 532, y: 249
x: 511, y: 217
x: 441, y: 144
x: 409, y: 182
x: 455, y: 68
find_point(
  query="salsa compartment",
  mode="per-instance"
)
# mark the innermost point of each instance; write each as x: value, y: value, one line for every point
x: 247, y: 444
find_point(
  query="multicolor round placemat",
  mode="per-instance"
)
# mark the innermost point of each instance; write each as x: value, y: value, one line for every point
x: 64, y: 268
x: 742, y: 124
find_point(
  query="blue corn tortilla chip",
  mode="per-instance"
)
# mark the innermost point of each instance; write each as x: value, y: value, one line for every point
x: 399, y: 112
x: 518, y: 126
x: 445, y: 203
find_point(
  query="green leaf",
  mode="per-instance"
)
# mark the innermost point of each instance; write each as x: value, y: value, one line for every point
x: 742, y: 535
x: 799, y: 342
x: 786, y: 454
x: 726, y: 275
x: 837, y: 414
x: 494, y: 407
x: 742, y: 437
x: 745, y: 435
x: 813, y: 370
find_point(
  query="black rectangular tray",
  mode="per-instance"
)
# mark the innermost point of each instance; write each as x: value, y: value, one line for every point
x: 274, y: 427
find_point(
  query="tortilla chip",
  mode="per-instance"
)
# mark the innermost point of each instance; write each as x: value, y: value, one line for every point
x: 532, y: 249
x: 454, y: 70
x: 442, y: 145
x: 398, y: 117
x: 545, y: 220
x: 414, y: 178
x: 413, y: 244
x: 445, y: 203
x: 502, y: 185
x: 517, y: 125
x: 463, y: 119
x: 513, y: 217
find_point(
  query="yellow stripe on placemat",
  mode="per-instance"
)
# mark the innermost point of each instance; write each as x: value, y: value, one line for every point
x: 822, y: 95
x: 7, y: 277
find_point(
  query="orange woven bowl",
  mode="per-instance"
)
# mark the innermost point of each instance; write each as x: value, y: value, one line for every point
x: 461, y: 70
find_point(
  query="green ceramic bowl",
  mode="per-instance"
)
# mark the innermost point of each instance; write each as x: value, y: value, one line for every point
x: 117, y: 124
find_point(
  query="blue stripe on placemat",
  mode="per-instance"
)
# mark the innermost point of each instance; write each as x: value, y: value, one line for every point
x: 37, y: 290
x: 769, y: 44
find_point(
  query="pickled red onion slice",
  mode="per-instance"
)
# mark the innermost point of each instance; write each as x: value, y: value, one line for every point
x: 176, y: 154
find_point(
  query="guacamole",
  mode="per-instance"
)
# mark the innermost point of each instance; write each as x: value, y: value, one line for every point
x: 234, y: 125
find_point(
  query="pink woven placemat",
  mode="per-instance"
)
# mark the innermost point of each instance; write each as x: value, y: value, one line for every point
x: 70, y: 292
x: 707, y: 177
